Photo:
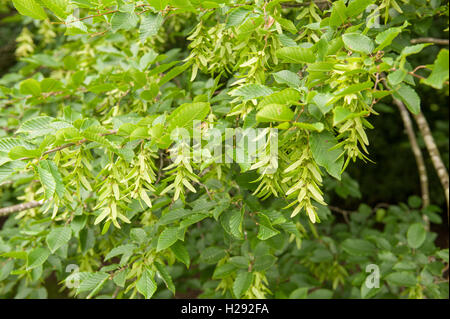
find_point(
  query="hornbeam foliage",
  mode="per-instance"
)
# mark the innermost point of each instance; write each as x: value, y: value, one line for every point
x: 103, y: 111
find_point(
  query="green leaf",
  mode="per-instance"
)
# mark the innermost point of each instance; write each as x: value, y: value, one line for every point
x: 8, y: 143
x: 440, y: 72
x: 30, y: 86
x: 47, y: 180
x: 37, y: 257
x: 405, y: 265
x: 123, y: 21
x: 356, y: 7
x: 186, y: 113
x: 321, y: 144
x: 120, y: 278
x: 413, y: 49
x: 236, y: 219
x: 299, y: 293
x: 139, y: 133
x: 149, y: 95
x: 358, y: 42
x: 341, y: 114
x: 6, y: 269
x: 287, y: 96
x: 173, y: 73
x: 416, y: 235
x: 352, y: 89
x: 30, y: 8
x: 402, y: 279
x: 367, y: 292
x: 58, y: 7
x: 8, y: 168
x: 146, y: 284
x: 181, y: 253
x: 21, y: 151
x: 409, y: 96
x: 242, y: 283
x: 58, y: 237
x: 102, y: 87
x: 264, y: 262
x: 50, y: 179
x: 414, y: 201
x: 93, y: 282
x: 50, y: 85
x: 192, y: 219
x: 251, y: 91
x: 236, y: 16
x: 358, y: 247
x: 37, y: 126
x: 241, y: 262
x: 212, y: 255
x: 287, y: 77
x: 321, y: 255
x: 138, y: 235
x: 249, y: 26
x: 321, y: 100
x: 223, y: 271
x: 296, y: 55
x: 287, y: 25
x: 165, y: 276
x: 321, y: 294
x: 396, y: 77
x: 386, y: 37
x: 126, y: 250
x: 59, y: 186
x: 184, y: 5
x: 74, y: 27
x: 275, y: 113
x: 173, y: 215
x: 266, y: 230
x: 167, y: 238
x: 317, y: 127
x: 150, y: 24
x: 338, y: 14
x: 443, y: 254
x: 158, y: 4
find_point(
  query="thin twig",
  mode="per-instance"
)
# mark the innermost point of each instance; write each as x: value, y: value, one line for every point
x: 430, y: 40
x: 56, y: 149
x: 341, y: 211
x: 206, y: 189
x: 417, y: 75
x: 20, y: 207
x: 102, y: 14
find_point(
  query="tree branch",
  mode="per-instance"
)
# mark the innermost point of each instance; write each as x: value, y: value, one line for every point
x: 430, y: 40
x: 20, y: 207
x: 423, y: 176
x: 436, y: 159
x: 341, y: 211
x: 416, y: 151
